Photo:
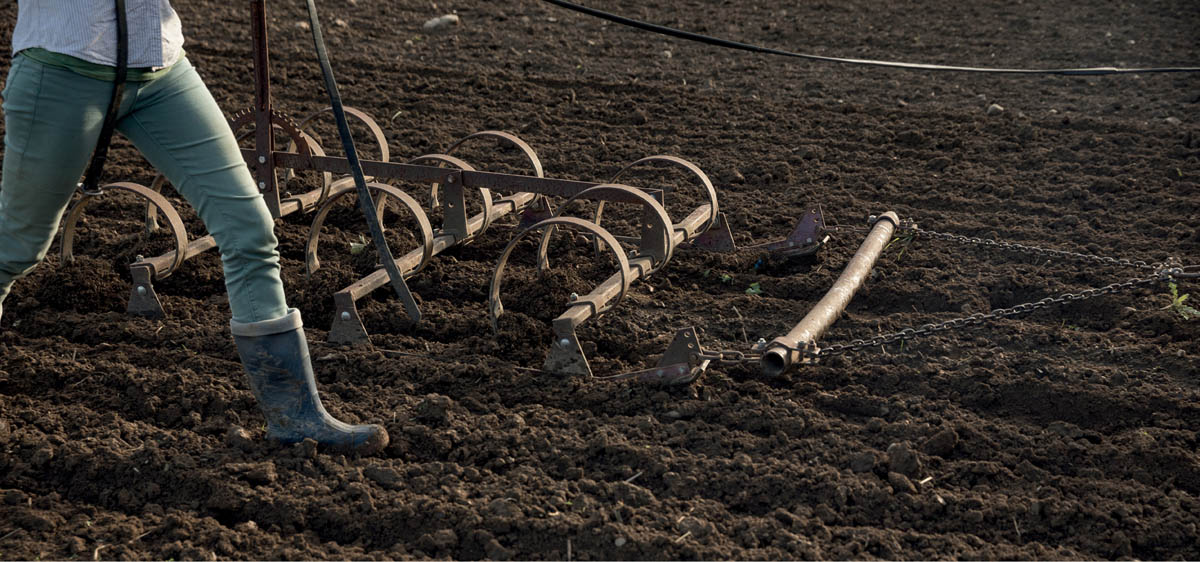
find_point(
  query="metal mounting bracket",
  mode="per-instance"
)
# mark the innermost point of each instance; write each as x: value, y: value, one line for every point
x: 679, y: 364
x: 808, y: 237
x: 566, y: 356
x: 143, y: 301
x: 347, y: 325
x: 719, y: 238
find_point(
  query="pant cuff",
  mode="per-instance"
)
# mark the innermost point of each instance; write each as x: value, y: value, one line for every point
x: 290, y: 322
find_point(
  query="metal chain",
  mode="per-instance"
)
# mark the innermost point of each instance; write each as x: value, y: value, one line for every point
x: 911, y: 227
x: 728, y: 357
x: 1031, y: 250
x: 979, y: 318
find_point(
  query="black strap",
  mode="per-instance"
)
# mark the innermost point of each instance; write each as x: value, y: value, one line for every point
x: 91, y: 179
x: 366, y: 203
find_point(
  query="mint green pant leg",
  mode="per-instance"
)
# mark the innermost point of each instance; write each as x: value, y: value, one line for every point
x: 52, y: 118
x: 179, y: 128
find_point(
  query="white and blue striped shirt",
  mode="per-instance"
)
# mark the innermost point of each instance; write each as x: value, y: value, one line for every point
x: 87, y: 29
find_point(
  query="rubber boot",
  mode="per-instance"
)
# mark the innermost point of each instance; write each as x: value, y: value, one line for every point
x: 275, y: 355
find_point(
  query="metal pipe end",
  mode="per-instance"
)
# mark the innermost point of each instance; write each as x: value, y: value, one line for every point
x: 891, y: 216
x: 774, y: 362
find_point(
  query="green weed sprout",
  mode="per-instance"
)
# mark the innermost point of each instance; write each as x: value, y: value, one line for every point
x: 1177, y: 304
x: 357, y: 248
x: 905, y: 240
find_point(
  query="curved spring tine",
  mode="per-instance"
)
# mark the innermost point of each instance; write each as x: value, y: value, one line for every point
x: 327, y: 181
x: 326, y: 177
x: 660, y: 251
x: 155, y: 199
x: 485, y: 194
x: 710, y: 191
x: 152, y: 211
x: 496, y: 307
x: 505, y: 136
x: 380, y: 138
x: 311, y: 263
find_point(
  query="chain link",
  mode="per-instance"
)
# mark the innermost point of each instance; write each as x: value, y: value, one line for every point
x: 727, y: 357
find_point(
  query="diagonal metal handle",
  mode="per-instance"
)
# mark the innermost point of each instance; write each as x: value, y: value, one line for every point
x: 365, y: 202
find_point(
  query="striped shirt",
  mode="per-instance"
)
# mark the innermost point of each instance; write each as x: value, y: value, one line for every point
x: 87, y: 30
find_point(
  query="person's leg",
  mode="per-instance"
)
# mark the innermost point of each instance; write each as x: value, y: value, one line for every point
x: 178, y: 127
x: 52, y: 118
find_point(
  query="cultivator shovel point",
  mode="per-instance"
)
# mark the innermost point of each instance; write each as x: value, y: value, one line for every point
x: 682, y: 363
x: 805, y: 239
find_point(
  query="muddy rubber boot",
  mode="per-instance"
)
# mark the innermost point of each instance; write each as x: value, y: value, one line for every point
x: 275, y: 355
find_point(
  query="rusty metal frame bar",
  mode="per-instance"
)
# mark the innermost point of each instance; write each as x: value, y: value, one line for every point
x: 264, y: 133
x: 469, y: 179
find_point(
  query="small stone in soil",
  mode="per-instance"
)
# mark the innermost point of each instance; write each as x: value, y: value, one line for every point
x: 901, y: 484
x: 238, y: 438
x: 441, y: 22
x: 902, y: 459
x: 938, y: 164
x: 863, y: 462
x: 941, y: 443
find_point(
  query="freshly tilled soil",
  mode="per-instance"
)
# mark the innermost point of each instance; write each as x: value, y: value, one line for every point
x: 1070, y: 432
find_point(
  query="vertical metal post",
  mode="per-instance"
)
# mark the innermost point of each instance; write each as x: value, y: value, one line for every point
x: 264, y: 134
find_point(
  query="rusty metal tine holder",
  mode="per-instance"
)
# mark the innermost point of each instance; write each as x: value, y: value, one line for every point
x: 782, y: 352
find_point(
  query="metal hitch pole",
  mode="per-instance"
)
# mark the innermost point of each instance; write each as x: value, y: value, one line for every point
x: 783, y: 351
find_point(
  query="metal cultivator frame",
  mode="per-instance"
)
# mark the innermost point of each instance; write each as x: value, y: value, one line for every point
x: 705, y: 227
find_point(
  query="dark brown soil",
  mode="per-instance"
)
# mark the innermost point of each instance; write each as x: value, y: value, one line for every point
x: 1067, y: 433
